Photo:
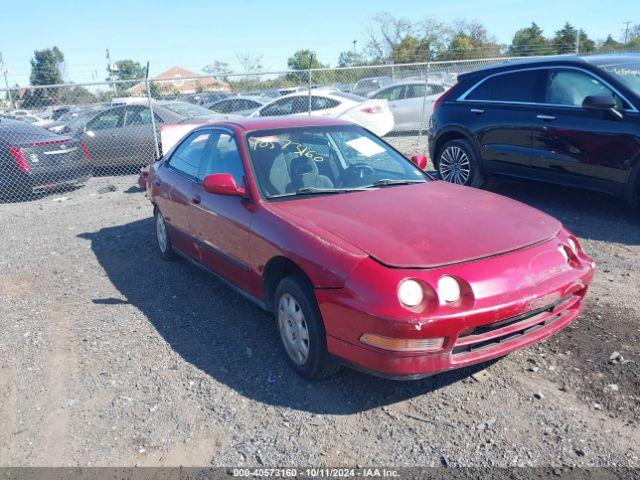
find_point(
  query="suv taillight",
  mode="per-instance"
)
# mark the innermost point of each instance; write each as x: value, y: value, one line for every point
x: 21, y: 159
x: 444, y: 95
x: 85, y: 151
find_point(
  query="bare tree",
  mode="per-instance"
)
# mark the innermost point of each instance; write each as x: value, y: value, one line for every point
x: 217, y: 69
x: 384, y: 33
x: 250, y: 63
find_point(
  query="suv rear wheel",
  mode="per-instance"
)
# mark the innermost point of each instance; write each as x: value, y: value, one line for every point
x: 457, y: 163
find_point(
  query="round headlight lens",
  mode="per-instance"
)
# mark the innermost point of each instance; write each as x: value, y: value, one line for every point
x: 449, y: 289
x: 410, y: 293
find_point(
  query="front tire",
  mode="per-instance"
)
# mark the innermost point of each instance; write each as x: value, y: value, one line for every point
x: 458, y: 163
x: 301, y: 329
x: 164, y: 242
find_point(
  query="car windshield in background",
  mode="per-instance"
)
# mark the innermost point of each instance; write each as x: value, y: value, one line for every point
x: 186, y: 109
x: 626, y: 72
x: 323, y: 160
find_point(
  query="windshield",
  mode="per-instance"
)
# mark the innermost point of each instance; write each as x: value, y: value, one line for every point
x: 322, y: 160
x: 187, y: 109
x: 626, y: 72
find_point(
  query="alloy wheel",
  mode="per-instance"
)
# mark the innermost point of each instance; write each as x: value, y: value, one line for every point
x: 454, y: 165
x: 293, y: 329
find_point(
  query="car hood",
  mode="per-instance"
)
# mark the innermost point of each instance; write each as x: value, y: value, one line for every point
x: 424, y: 225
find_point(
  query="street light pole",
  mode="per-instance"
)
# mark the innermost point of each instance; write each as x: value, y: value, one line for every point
x: 6, y: 80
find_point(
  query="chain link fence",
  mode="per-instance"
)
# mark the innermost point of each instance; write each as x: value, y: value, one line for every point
x: 58, y: 137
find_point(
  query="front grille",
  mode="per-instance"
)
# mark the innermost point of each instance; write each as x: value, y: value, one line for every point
x: 529, y: 322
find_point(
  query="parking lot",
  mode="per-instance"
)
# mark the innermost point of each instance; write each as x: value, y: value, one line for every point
x: 111, y: 356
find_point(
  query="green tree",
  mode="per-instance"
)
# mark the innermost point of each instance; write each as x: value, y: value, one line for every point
x: 46, y: 69
x: 610, y: 45
x: 529, y: 41
x: 46, y: 66
x: 564, y: 40
x: 128, y: 71
x: 304, y: 59
x: 349, y: 58
x: 411, y: 50
x: 470, y: 40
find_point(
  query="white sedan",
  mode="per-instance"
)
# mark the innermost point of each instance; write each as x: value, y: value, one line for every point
x: 407, y: 102
x: 373, y: 115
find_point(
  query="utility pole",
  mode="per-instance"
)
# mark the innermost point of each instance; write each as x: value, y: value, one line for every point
x: 354, y: 50
x: 109, y: 69
x: 577, y: 41
x: 6, y: 80
x: 626, y: 30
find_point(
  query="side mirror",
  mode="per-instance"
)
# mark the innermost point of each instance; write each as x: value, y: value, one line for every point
x: 420, y: 161
x: 222, y: 184
x: 604, y: 103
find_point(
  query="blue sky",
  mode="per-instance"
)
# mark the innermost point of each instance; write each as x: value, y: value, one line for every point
x: 194, y: 33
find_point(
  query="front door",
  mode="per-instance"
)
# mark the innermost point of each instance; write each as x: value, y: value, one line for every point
x: 177, y: 184
x: 576, y: 146
x: 102, y: 138
x: 220, y: 224
x: 502, y: 113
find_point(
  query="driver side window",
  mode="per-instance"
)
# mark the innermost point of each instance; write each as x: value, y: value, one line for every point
x: 186, y: 157
x: 571, y: 87
x: 222, y: 156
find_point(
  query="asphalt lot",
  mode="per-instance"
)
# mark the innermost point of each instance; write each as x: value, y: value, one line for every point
x: 110, y: 356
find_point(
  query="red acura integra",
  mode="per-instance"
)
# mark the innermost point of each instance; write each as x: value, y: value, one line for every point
x: 363, y: 258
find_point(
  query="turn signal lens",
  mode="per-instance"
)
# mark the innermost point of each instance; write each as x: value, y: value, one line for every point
x: 403, y: 344
x: 410, y: 293
x: 449, y: 289
x: 573, y: 245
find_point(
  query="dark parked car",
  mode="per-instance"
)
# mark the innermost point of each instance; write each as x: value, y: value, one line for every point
x: 33, y: 159
x: 244, y: 106
x: 573, y: 121
x: 123, y: 136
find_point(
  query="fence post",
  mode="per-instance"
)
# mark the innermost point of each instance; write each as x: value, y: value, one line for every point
x: 424, y: 105
x: 153, y: 120
x: 310, y: 73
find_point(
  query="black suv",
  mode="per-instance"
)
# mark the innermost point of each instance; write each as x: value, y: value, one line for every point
x: 571, y: 120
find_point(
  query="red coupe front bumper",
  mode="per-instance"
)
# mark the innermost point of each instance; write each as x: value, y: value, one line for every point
x: 513, y: 300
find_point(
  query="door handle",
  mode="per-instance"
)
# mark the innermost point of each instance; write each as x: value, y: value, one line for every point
x: 477, y: 111
x: 546, y: 118
x: 196, y: 199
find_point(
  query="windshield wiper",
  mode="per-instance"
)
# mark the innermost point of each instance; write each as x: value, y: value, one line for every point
x: 318, y: 191
x: 385, y: 181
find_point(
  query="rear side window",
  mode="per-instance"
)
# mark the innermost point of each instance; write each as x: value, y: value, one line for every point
x: 322, y: 103
x: 509, y: 87
x: 186, y: 158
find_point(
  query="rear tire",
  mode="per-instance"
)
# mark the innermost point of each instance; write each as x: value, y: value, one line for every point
x: 164, y: 242
x: 458, y: 163
x: 301, y: 329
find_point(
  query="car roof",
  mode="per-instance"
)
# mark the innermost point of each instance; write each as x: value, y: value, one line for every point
x: 255, y: 98
x: 268, y: 123
x: 594, y: 60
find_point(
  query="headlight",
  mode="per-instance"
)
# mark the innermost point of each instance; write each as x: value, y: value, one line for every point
x: 410, y: 293
x: 449, y: 289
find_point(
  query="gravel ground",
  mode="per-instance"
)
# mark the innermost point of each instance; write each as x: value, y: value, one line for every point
x: 110, y: 356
